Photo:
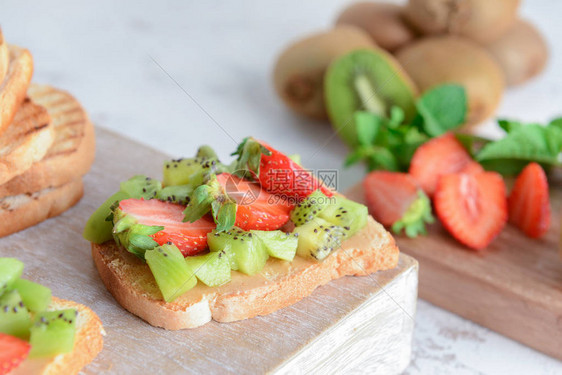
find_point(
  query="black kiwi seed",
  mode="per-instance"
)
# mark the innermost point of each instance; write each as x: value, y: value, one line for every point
x: 296, y: 234
x: 315, y: 230
x: 143, y: 190
x: 6, y: 309
x: 60, y: 316
x: 15, y: 309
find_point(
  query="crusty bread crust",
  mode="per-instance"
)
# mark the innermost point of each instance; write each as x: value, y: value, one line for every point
x: 4, y: 57
x: 24, y: 210
x: 279, y: 285
x: 25, y: 141
x: 87, y: 345
x: 14, y: 85
x: 72, y: 152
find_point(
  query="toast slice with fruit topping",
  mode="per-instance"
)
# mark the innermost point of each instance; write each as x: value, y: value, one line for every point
x: 227, y: 242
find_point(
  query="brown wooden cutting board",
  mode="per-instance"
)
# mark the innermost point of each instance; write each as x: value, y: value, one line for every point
x: 351, y: 324
x: 514, y: 287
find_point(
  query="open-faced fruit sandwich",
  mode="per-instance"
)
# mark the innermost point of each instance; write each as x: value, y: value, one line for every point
x: 229, y: 242
x: 40, y: 334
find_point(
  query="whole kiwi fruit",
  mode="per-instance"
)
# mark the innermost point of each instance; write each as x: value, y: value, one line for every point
x: 384, y: 22
x: 521, y: 52
x: 298, y: 75
x: 480, y: 20
x: 451, y: 59
x: 369, y: 80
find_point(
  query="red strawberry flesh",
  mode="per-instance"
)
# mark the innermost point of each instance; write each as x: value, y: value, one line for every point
x: 190, y: 238
x: 13, y: 352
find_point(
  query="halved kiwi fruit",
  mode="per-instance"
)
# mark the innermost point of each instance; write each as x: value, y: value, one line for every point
x: 521, y: 52
x: 369, y: 80
x: 437, y: 60
x: 384, y: 22
x: 298, y: 75
x: 480, y: 20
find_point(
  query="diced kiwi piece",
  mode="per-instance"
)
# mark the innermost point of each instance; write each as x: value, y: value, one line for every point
x: 191, y: 171
x: 14, y: 316
x: 369, y: 80
x: 278, y: 244
x: 349, y: 215
x: 206, y: 151
x: 141, y: 186
x: 245, y: 251
x: 309, y: 208
x: 212, y: 269
x: 10, y: 270
x: 52, y: 333
x: 97, y: 229
x: 175, y: 194
x: 172, y: 274
x: 318, y: 239
x: 35, y: 297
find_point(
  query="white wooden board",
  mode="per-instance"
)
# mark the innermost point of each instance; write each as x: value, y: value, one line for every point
x: 360, y: 324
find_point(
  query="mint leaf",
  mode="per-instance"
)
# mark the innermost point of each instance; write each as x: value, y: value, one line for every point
x: 382, y: 158
x: 509, y: 125
x: 472, y: 143
x: 442, y: 108
x: 225, y: 216
x: 557, y: 122
x: 367, y: 126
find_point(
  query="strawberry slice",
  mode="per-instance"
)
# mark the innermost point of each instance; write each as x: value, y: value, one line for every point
x: 472, y: 207
x: 276, y: 172
x: 437, y: 157
x: 529, y: 202
x: 256, y: 208
x: 190, y: 238
x: 395, y: 199
x: 13, y: 352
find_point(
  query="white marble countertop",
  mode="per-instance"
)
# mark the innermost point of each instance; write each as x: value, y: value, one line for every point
x: 221, y: 53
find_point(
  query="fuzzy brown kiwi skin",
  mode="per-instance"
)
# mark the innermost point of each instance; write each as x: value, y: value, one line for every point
x: 451, y: 59
x: 298, y: 75
x: 480, y: 20
x: 521, y: 52
x: 384, y: 22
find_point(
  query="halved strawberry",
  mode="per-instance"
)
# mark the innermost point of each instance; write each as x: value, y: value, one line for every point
x: 472, y: 207
x: 276, y: 172
x: 529, y: 202
x: 395, y: 199
x: 256, y: 208
x: 190, y: 238
x: 13, y: 352
x: 437, y: 157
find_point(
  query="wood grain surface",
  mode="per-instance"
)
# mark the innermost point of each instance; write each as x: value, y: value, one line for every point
x: 352, y: 324
x: 513, y: 287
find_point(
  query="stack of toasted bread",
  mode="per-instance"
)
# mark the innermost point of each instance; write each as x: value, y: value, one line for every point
x: 47, y: 144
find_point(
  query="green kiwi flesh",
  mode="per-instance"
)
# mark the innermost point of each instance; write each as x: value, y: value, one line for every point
x: 53, y: 332
x: 318, y: 239
x: 368, y: 80
x: 212, y: 269
x: 278, y: 244
x: 11, y: 269
x: 35, y: 297
x: 14, y: 316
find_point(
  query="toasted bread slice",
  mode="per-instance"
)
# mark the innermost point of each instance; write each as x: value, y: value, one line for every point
x: 72, y: 152
x: 14, y: 85
x: 18, y: 212
x: 4, y: 57
x: 87, y: 345
x: 25, y: 141
x: 280, y: 284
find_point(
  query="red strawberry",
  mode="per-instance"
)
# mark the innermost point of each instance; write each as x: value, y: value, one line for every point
x: 13, y: 352
x: 396, y: 199
x: 190, y: 238
x: 256, y: 208
x: 276, y: 172
x: 529, y: 202
x: 437, y: 157
x: 472, y: 207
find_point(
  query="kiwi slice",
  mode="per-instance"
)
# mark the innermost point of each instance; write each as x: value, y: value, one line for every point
x: 170, y: 271
x: 367, y: 80
x: 349, y: 215
x: 309, y: 208
x: 10, y: 270
x: 278, y: 244
x: 97, y: 229
x: 52, y: 333
x: 175, y: 194
x: 35, y: 297
x: 211, y: 269
x: 141, y: 186
x: 14, y: 316
x: 245, y: 251
x: 191, y: 171
x: 318, y: 238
